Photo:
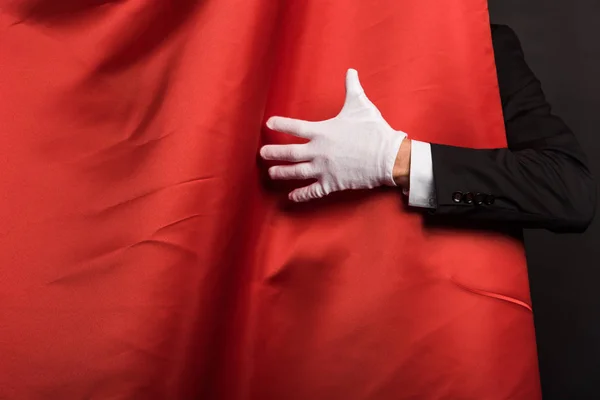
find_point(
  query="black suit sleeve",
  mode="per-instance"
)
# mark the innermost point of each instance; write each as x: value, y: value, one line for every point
x: 540, y: 181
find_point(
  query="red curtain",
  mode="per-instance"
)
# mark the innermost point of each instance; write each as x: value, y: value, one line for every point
x: 143, y: 254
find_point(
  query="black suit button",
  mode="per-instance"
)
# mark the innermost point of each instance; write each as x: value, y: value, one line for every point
x: 468, y: 198
x: 479, y: 198
x: 457, y: 197
x: 489, y: 200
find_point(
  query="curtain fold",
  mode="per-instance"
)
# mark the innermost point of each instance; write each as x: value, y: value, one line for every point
x: 144, y: 253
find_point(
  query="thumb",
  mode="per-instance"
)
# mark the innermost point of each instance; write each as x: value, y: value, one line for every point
x: 353, y: 86
x: 356, y: 99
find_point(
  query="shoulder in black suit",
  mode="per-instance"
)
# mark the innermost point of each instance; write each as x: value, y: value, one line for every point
x: 541, y: 181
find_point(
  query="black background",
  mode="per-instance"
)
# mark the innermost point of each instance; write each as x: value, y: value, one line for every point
x: 561, y: 40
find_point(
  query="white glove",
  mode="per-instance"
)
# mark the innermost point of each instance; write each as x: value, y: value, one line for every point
x: 355, y: 150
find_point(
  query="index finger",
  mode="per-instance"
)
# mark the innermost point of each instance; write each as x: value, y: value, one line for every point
x: 296, y: 127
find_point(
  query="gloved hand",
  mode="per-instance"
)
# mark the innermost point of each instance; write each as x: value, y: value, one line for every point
x: 355, y: 150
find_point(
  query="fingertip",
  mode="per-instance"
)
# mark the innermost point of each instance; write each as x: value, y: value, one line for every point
x: 351, y: 76
x: 271, y: 172
x: 263, y: 152
x: 352, y: 82
x: 280, y: 124
x: 296, y: 196
x: 271, y: 122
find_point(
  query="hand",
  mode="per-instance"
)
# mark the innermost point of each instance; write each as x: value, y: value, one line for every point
x: 355, y: 150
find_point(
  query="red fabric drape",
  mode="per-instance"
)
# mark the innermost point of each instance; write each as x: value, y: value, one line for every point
x: 144, y: 256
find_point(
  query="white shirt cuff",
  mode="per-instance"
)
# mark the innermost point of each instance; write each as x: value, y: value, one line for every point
x: 422, y: 190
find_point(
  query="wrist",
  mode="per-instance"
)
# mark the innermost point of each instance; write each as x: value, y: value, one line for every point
x: 401, y: 171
